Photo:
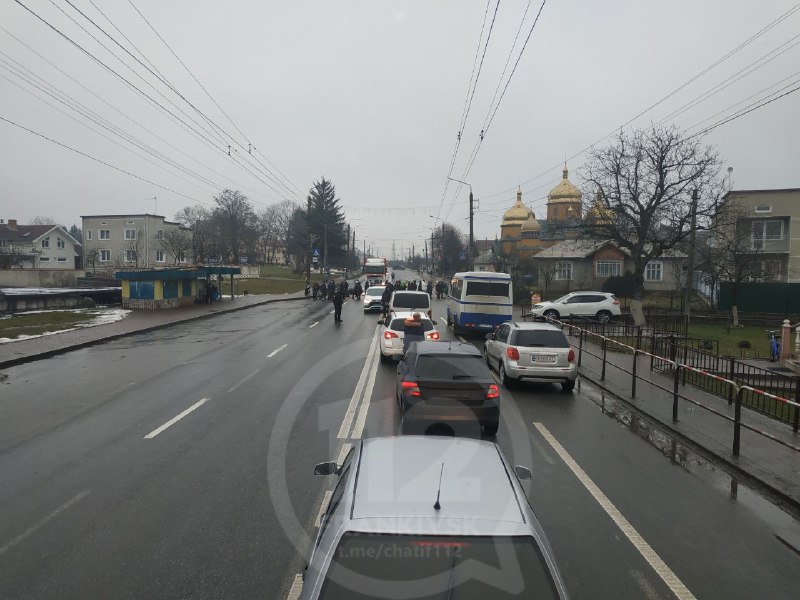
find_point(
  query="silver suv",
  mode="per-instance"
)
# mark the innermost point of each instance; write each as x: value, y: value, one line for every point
x: 429, y: 517
x: 599, y: 305
x: 531, y: 352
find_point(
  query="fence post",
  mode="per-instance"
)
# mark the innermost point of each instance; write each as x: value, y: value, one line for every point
x: 639, y: 337
x: 580, y: 347
x: 731, y: 376
x: 796, y: 409
x: 676, y: 380
x: 633, y: 382
x: 652, y: 348
x: 737, y: 422
x: 603, y: 374
x: 685, y: 361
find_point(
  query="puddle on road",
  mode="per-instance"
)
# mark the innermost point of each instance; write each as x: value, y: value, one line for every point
x: 783, y: 523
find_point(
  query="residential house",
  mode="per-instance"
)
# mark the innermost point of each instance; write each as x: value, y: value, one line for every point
x: 587, y: 264
x: 130, y: 242
x: 37, y: 247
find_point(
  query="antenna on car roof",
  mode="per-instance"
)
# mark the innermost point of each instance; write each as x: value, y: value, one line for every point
x: 436, y: 505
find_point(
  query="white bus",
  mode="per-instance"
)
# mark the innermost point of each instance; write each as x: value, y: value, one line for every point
x: 479, y: 301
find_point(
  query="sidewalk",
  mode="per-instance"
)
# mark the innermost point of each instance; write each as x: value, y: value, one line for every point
x: 138, y: 321
x: 761, y: 460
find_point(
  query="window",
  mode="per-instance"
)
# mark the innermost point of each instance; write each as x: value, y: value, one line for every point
x: 62, y: 259
x: 88, y: 234
x: 763, y: 208
x: 159, y: 234
x: 104, y: 255
x: 771, y: 270
x: 653, y: 271
x: 541, y: 339
x: 130, y: 255
x: 608, y: 268
x: 160, y: 256
x: 764, y: 231
x: 46, y: 242
x: 130, y: 234
x: 487, y: 288
x: 105, y: 234
x: 564, y: 270
x: 44, y: 259
x: 60, y: 243
x: 182, y: 257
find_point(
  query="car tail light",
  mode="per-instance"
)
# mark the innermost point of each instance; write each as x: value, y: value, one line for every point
x: 387, y: 335
x: 411, y: 387
x: 494, y: 391
x: 433, y: 335
x: 512, y: 353
x: 571, y: 356
x: 615, y: 301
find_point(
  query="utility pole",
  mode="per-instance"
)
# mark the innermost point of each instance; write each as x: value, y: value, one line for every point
x: 310, y: 245
x: 433, y: 260
x: 444, y: 253
x: 690, y: 270
x: 471, y: 220
x: 426, y: 253
x: 353, y: 260
x: 364, y: 252
x: 325, y: 248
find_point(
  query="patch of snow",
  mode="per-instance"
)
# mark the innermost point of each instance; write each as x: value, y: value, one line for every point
x: 100, y: 316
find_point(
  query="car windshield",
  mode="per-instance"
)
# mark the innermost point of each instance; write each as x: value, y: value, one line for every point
x: 399, y: 324
x: 407, y: 300
x: 373, y: 291
x: 451, y: 366
x: 545, y: 339
x: 462, y: 568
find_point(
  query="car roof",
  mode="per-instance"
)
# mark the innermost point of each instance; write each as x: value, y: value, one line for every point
x: 411, y: 292
x: 448, y: 347
x: 409, y: 314
x: 398, y: 477
x: 533, y: 325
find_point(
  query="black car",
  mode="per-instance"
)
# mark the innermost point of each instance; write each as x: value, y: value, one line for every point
x: 447, y: 381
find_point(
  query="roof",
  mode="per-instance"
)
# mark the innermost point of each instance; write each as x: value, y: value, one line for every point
x: 772, y: 191
x: 449, y: 347
x: 580, y: 248
x: 538, y: 324
x: 564, y: 191
x: 518, y: 213
x: 175, y: 274
x: 399, y: 477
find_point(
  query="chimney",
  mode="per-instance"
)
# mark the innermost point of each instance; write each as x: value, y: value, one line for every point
x: 12, y: 224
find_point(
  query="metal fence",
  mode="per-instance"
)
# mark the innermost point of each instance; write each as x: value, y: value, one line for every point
x: 737, y: 393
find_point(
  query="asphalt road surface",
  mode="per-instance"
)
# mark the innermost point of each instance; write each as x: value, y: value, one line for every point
x: 178, y: 464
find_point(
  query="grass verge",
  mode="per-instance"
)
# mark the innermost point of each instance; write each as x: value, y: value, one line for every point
x: 17, y: 325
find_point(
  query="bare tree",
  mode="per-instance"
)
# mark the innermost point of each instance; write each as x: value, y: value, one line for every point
x: 548, y: 267
x: 176, y: 242
x: 42, y: 220
x: 647, y: 180
x: 91, y: 259
x: 196, y: 219
x: 232, y: 216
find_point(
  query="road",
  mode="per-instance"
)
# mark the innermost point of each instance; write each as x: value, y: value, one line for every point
x: 178, y: 464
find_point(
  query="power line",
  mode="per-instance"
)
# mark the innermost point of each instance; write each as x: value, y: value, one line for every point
x: 102, y: 162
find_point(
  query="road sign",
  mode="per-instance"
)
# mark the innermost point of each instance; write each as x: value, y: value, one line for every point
x: 212, y: 260
x: 242, y: 260
x: 315, y: 253
x: 462, y: 256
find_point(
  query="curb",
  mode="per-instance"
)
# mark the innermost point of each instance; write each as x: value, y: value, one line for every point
x: 780, y: 497
x: 109, y: 338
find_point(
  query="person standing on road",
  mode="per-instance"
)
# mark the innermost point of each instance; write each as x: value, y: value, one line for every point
x: 338, y: 301
x: 331, y: 288
x: 386, y: 298
x: 429, y: 288
x: 315, y: 290
x: 357, y: 290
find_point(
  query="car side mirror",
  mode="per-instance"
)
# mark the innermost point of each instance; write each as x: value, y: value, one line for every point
x: 326, y: 468
x: 489, y: 336
x: 523, y: 473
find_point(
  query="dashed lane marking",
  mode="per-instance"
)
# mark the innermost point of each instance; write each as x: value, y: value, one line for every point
x: 244, y: 379
x: 174, y: 420
x: 297, y: 588
x: 42, y: 522
x: 347, y: 422
x: 278, y: 349
x: 659, y: 566
x: 313, y: 325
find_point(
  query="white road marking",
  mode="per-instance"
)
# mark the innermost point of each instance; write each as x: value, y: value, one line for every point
x: 343, y: 453
x: 351, y: 408
x: 323, y: 507
x: 313, y: 325
x: 365, y: 399
x: 297, y: 588
x: 39, y: 524
x: 659, y: 566
x: 330, y: 313
x: 244, y: 379
x: 278, y: 349
x: 174, y: 420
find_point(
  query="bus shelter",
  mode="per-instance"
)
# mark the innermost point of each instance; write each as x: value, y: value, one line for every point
x: 158, y: 289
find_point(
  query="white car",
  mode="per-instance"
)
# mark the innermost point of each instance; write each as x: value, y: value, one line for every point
x: 598, y: 305
x: 392, y: 334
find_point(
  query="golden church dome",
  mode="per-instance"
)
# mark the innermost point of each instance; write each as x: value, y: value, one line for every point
x: 518, y: 213
x: 599, y: 213
x: 531, y: 224
x: 564, y: 191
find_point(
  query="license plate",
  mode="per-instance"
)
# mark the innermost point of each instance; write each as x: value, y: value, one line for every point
x: 548, y: 358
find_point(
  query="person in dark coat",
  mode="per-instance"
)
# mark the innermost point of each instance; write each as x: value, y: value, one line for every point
x: 315, y: 290
x: 386, y: 297
x: 338, y: 300
x: 357, y: 291
x: 412, y: 331
x: 429, y: 288
x: 331, y: 289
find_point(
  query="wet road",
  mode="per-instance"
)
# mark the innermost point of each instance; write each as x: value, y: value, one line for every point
x: 179, y: 464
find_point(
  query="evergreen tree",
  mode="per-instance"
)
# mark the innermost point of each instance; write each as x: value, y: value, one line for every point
x: 327, y: 219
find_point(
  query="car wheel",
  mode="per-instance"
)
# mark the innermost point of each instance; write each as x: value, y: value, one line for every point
x: 550, y: 314
x: 603, y: 316
x: 506, y: 381
x: 568, y: 385
x: 491, y: 428
x: 384, y: 359
x: 486, y: 356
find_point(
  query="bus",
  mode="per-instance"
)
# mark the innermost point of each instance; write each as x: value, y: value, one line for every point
x: 479, y: 301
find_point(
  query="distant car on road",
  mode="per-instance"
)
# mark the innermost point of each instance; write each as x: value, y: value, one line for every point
x: 531, y: 352
x: 372, y: 297
x: 599, y: 305
x: 429, y: 517
x: 447, y: 381
x: 392, y: 334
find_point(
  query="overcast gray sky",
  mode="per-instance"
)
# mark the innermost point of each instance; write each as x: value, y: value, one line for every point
x: 370, y: 94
